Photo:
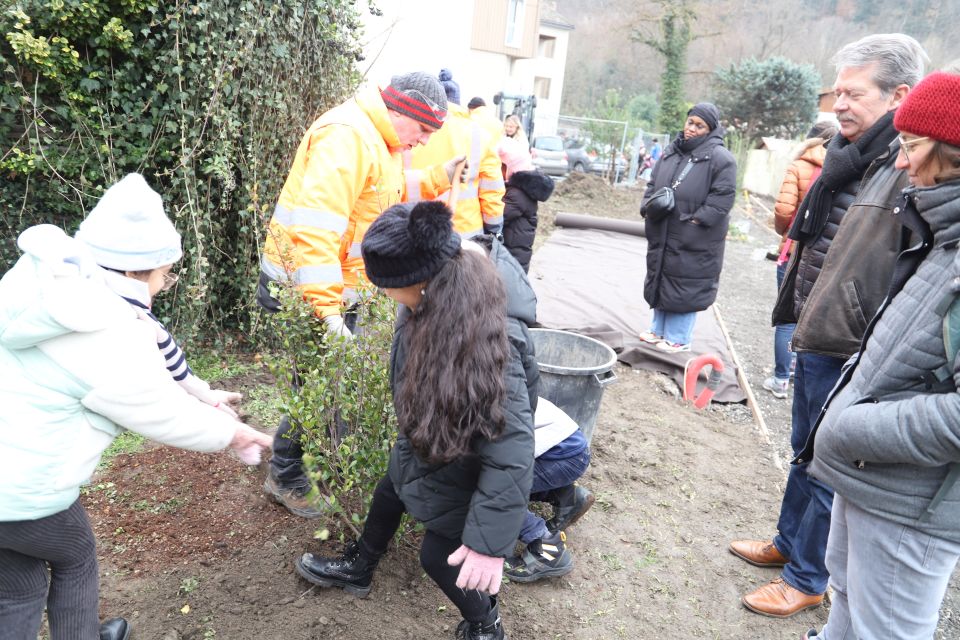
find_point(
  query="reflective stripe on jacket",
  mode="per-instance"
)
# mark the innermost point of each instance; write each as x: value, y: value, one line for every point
x: 347, y: 171
x: 479, y: 204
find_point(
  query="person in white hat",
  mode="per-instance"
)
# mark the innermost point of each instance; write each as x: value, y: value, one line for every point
x: 131, y: 237
x: 77, y: 367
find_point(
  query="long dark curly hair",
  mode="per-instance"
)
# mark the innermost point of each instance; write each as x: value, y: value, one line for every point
x: 452, y: 390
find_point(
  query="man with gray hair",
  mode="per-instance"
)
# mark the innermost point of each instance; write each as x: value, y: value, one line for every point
x: 848, y: 236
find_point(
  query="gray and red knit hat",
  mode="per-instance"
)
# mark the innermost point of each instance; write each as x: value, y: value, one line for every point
x: 417, y: 95
x: 930, y: 109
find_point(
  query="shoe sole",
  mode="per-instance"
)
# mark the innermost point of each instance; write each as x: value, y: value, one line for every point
x: 352, y: 589
x: 779, y: 615
x: 276, y: 499
x: 780, y: 395
x: 540, y: 575
x: 754, y: 562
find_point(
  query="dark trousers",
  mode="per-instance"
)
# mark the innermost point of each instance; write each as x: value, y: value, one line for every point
x: 382, y: 523
x: 805, y: 510
x: 65, y: 543
x: 286, y: 464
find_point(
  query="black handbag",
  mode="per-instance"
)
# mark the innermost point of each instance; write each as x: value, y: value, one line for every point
x: 662, y: 202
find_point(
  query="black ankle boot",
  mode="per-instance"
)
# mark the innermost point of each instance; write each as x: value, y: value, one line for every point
x: 353, y: 571
x: 569, y: 505
x: 490, y: 629
x: 115, y: 629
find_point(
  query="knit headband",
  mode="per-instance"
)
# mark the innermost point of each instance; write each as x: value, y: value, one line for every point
x: 416, y: 106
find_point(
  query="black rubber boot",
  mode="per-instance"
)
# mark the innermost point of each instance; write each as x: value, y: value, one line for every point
x: 352, y: 571
x: 546, y: 557
x: 569, y: 505
x: 490, y: 629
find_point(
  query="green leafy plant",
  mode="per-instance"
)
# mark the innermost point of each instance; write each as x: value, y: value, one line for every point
x: 206, y: 98
x: 338, y: 391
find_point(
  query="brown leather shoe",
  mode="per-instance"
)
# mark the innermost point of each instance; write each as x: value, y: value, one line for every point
x: 762, y: 553
x: 779, y: 600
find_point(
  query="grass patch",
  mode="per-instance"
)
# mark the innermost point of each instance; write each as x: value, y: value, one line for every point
x: 213, y: 365
x: 264, y: 404
x: 126, y: 442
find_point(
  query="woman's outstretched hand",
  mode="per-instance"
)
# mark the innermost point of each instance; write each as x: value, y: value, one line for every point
x: 248, y: 443
x: 479, y: 572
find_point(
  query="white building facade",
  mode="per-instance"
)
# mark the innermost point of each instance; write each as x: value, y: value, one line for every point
x: 516, y: 47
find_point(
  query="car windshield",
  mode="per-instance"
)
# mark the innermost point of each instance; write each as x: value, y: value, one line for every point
x: 549, y: 143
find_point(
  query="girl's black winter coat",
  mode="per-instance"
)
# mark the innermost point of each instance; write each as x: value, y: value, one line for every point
x: 480, y: 500
x: 524, y: 190
x: 685, y: 249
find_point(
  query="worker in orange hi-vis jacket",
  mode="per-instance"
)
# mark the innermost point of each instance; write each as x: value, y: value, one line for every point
x: 348, y: 169
x: 479, y: 201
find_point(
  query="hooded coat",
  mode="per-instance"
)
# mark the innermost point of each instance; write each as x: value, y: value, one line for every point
x: 77, y: 367
x: 524, y: 190
x: 685, y: 249
x: 480, y: 500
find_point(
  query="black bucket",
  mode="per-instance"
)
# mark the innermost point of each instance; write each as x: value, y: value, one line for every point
x: 574, y: 370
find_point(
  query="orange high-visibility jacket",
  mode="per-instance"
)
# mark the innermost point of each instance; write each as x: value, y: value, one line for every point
x: 479, y: 205
x: 488, y: 121
x: 347, y: 171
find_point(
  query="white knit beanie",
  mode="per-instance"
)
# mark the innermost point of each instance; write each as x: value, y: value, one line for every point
x: 128, y: 230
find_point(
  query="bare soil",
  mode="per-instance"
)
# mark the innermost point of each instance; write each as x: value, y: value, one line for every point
x: 190, y: 548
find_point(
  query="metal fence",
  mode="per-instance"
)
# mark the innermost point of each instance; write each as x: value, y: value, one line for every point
x: 609, y: 148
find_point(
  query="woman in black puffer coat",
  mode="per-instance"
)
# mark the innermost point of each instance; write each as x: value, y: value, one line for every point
x: 526, y: 187
x: 685, y: 248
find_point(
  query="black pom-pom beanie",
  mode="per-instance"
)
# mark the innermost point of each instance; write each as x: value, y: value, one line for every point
x: 409, y: 244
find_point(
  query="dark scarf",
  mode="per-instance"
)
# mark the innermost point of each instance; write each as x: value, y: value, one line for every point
x: 683, y: 146
x: 844, y: 163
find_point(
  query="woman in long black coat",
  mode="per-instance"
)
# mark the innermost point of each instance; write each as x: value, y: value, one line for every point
x: 685, y: 248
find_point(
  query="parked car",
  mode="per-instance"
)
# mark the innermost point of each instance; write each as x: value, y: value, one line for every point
x: 603, y: 165
x: 577, y: 157
x: 549, y: 156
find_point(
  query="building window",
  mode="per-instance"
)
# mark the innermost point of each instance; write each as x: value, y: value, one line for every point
x: 548, y: 46
x: 515, y: 9
x: 541, y: 88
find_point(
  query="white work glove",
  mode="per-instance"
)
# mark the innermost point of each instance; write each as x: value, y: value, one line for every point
x: 450, y: 166
x: 248, y: 443
x: 337, y: 327
x: 480, y: 572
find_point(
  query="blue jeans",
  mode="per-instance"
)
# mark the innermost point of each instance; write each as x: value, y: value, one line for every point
x: 673, y: 327
x: 805, y: 511
x: 888, y: 579
x: 549, y: 475
x: 782, y: 335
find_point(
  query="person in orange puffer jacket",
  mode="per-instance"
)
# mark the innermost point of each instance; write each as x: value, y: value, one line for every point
x: 802, y: 172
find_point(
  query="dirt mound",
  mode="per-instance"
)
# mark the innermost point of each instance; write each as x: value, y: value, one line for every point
x: 584, y: 185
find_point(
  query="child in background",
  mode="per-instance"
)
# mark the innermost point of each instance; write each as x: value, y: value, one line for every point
x: 525, y: 188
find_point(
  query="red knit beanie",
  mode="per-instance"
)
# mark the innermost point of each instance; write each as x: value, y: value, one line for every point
x: 932, y: 109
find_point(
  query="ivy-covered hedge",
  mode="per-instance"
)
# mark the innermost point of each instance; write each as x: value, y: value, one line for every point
x: 208, y: 99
